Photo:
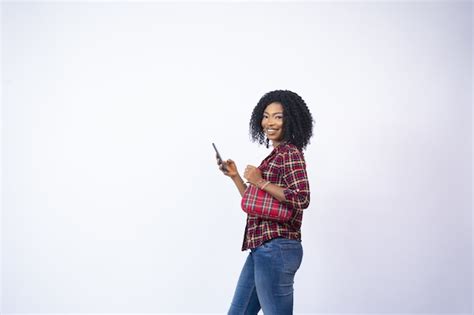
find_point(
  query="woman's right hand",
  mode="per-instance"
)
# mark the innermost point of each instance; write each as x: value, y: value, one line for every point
x: 231, y: 168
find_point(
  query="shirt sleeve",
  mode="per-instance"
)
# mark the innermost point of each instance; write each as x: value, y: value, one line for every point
x: 296, y: 180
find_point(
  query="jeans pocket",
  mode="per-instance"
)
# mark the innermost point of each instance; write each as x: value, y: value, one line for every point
x: 292, y: 255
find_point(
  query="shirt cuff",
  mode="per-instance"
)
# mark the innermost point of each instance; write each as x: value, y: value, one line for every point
x: 290, y: 194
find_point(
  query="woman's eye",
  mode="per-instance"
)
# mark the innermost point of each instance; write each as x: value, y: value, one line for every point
x: 279, y: 117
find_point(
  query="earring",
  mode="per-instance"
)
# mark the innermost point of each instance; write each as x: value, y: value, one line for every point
x: 267, y: 142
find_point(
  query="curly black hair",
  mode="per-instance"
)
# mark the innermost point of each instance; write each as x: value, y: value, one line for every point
x: 297, y: 119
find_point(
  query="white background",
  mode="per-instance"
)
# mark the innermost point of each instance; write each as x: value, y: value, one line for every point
x: 111, y: 199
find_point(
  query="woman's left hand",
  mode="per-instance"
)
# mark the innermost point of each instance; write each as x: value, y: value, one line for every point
x: 252, y: 174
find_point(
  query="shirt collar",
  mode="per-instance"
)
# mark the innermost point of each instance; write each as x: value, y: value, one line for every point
x: 280, y: 147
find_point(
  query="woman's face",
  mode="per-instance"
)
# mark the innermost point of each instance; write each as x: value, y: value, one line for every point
x: 272, y: 122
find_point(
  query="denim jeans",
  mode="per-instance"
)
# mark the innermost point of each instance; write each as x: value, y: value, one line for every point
x: 267, y: 278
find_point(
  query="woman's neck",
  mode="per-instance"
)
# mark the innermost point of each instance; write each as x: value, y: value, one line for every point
x: 276, y: 143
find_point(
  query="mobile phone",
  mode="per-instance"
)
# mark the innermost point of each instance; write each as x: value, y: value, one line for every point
x: 219, y: 158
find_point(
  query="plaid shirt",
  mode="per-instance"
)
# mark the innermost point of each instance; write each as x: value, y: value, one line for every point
x: 285, y: 167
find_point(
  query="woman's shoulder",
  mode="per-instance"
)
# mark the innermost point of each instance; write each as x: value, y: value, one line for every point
x: 289, y: 149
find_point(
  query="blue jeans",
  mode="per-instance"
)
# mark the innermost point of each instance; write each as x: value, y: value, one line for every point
x: 267, y: 278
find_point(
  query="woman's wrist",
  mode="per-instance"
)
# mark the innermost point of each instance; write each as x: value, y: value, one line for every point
x: 265, y: 185
x: 262, y: 183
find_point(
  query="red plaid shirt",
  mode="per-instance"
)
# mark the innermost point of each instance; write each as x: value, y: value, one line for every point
x: 285, y: 167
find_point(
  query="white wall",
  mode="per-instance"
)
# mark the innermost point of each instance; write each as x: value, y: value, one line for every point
x: 112, y: 201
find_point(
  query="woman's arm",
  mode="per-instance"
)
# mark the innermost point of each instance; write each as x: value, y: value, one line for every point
x: 240, y: 184
x: 254, y: 176
x: 231, y: 171
x: 274, y: 190
x: 296, y: 190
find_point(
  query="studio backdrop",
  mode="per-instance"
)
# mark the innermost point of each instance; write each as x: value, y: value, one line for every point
x: 111, y: 197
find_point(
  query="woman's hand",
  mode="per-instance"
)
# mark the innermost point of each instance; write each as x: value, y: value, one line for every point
x: 231, y: 168
x: 253, y: 174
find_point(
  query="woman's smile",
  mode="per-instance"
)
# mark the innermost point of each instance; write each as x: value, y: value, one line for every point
x: 271, y: 131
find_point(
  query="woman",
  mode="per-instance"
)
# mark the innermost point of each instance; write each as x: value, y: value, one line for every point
x: 266, y: 280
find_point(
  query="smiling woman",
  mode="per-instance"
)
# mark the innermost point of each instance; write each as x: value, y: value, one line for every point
x: 266, y: 280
